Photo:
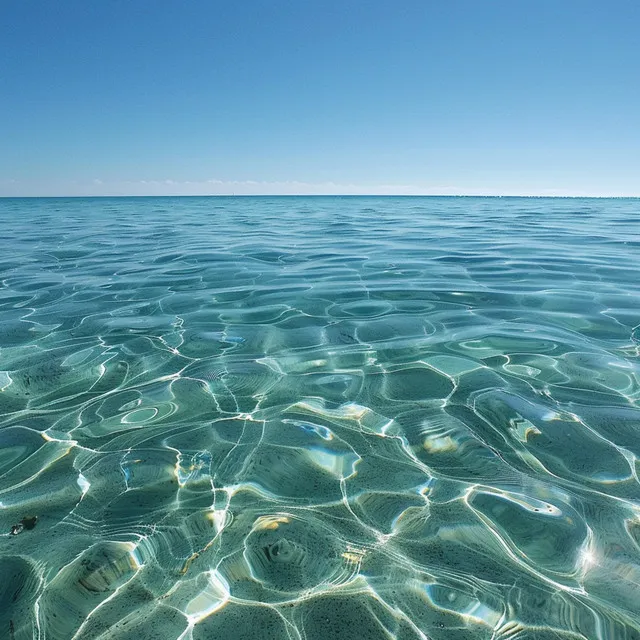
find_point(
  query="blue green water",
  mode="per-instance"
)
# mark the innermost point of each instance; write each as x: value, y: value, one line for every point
x: 318, y: 418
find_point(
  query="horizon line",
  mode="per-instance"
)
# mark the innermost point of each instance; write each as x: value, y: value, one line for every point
x: 326, y: 195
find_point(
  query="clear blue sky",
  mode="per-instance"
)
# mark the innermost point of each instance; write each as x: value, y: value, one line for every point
x: 343, y: 96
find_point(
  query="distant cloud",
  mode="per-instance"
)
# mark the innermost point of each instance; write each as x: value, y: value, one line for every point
x: 215, y: 186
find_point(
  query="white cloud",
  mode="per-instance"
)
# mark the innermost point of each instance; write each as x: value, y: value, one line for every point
x: 215, y: 186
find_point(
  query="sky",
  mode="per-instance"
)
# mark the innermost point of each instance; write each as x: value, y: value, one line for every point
x: 167, y: 97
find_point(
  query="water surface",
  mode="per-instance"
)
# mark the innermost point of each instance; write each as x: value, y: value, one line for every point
x: 316, y: 418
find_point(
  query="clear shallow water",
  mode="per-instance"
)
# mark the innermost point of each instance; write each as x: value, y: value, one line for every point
x: 316, y: 418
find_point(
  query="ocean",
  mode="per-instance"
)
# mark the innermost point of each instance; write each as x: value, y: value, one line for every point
x: 317, y: 418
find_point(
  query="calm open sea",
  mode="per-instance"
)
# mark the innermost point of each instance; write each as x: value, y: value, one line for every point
x: 319, y: 418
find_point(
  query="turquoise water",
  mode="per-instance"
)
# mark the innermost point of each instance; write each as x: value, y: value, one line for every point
x: 317, y: 418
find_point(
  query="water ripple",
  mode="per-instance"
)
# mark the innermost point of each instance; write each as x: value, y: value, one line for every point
x: 311, y: 418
